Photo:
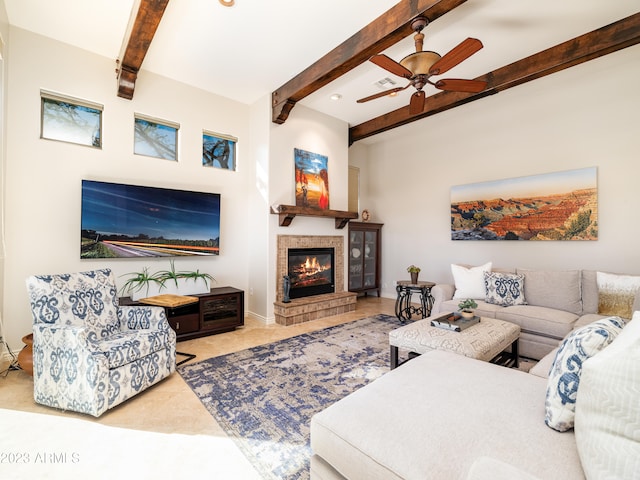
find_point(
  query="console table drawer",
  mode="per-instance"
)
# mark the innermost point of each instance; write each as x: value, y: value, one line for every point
x: 185, y: 323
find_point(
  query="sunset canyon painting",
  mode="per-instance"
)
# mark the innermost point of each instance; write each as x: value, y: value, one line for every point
x: 553, y: 206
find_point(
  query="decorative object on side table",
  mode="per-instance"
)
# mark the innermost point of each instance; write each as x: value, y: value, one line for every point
x: 465, y: 307
x: 413, y: 271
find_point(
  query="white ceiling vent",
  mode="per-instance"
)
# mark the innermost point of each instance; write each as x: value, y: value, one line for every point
x: 385, y: 83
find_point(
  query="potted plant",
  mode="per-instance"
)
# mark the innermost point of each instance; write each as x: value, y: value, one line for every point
x: 140, y: 283
x: 191, y: 283
x: 466, y: 306
x: 413, y: 271
x: 143, y: 284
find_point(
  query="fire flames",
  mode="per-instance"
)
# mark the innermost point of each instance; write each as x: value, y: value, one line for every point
x: 312, y: 266
x: 309, y: 272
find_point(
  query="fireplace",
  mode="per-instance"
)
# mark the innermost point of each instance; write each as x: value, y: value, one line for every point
x: 320, y: 305
x: 311, y: 271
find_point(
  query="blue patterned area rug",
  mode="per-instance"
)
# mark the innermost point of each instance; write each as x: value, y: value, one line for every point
x: 264, y: 397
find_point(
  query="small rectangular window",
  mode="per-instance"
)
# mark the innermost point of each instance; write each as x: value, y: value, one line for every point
x: 155, y: 138
x: 218, y: 150
x: 69, y: 119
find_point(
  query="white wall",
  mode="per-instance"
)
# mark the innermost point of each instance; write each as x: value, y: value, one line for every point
x: 43, y: 193
x: 258, y: 229
x: 4, y: 36
x: 581, y: 117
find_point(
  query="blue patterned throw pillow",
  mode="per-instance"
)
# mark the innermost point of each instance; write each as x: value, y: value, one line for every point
x: 504, y: 289
x: 564, y: 376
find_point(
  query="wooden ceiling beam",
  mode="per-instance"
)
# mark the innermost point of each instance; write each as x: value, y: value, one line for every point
x: 605, y: 40
x: 385, y: 31
x: 136, y: 44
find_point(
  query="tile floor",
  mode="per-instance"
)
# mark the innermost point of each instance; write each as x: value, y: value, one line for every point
x: 171, y: 406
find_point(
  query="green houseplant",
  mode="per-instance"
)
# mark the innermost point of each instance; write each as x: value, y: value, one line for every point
x: 466, y: 306
x: 173, y: 276
x: 143, y: 284
x: 413, y: 271
x: 139, y: 281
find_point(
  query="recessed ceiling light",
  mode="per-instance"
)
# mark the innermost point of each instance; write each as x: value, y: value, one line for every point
x: 336, y: 96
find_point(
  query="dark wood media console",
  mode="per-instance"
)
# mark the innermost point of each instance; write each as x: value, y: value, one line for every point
x: 220, y: 310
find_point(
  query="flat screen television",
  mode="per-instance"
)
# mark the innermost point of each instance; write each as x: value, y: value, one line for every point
x: 136, y: 221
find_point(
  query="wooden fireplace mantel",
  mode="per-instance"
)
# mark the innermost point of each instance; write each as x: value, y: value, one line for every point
x: 287, y: 213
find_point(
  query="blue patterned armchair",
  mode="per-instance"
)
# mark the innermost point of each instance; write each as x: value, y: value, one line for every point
x: 89, y: 354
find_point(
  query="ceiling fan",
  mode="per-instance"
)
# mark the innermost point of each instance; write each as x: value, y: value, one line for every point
x: 419, y: 66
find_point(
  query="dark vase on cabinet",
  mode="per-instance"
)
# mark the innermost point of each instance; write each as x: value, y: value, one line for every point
x: 364, y: 257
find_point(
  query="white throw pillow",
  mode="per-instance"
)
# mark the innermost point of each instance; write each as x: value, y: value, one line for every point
x: 564, y: 377
x: 469, y: 281
x: 607, y: 420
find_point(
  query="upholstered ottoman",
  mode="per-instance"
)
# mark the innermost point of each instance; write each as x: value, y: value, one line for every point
x: 482, y: 341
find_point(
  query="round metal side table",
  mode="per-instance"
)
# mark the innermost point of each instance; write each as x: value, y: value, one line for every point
x: 404, y: 309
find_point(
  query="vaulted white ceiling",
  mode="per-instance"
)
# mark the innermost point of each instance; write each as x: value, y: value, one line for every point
x: 249, y: 50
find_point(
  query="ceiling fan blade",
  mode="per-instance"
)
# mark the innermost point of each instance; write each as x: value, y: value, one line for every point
x: 463, y: 51
x: 391, y: 65
x: 459, y: 85
x: 417, y: 103
x: 382, y: 94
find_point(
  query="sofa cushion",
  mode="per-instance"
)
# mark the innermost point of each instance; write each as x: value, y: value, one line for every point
x: 544, y: 320
x: 487, y: 468
x: 587, y: 319
x: 469, y: 281
x: 553, y: 289
x: 125, y: 347
x: 435, y: 415
x: 616, y: 294
x: 535, y: 346
x: 542, y: 368
x: 589, y: 291
x: 607, y: 419
x: 564, y: 377
x: 504, y: 288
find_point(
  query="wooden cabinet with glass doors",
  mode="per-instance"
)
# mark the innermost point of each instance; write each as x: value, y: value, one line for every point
x: 364, y: 257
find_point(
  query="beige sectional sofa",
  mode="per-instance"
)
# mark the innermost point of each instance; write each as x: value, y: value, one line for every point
x: 556, y: 301
x: 447, y: 416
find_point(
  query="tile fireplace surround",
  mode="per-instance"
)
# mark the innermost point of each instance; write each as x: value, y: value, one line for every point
x: 304, y: 309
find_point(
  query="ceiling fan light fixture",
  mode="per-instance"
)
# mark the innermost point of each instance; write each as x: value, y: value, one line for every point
x: 227, y: 3
x: 420, y: 62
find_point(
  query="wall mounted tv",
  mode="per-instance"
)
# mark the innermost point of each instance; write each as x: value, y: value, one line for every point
x: 136, y: 221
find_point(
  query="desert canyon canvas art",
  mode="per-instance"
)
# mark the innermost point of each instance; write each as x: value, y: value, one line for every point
x: 553, y: 206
